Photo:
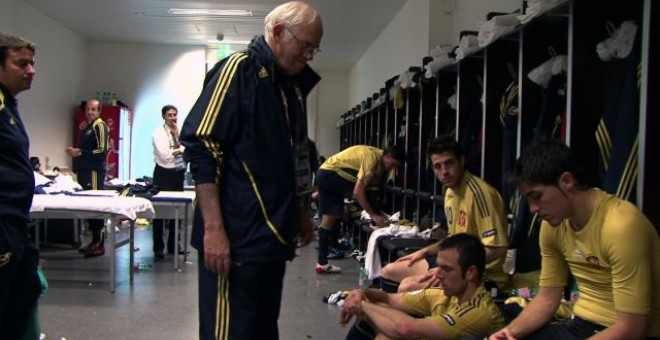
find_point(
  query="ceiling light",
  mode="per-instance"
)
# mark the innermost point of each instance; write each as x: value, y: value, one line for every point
x: 210, y: 12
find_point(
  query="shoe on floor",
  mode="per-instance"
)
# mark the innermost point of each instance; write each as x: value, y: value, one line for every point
x: 327, y: 269
x: 159, y: 254
x: 97, y: 250
x: 86, y: 248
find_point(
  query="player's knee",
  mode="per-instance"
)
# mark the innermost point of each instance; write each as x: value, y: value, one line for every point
x: 391, y: 271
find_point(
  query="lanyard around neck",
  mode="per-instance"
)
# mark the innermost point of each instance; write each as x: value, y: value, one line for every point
x: 174, y: 144
x: 285, y: 102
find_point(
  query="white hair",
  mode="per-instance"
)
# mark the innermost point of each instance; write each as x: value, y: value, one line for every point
x: 291, y: 14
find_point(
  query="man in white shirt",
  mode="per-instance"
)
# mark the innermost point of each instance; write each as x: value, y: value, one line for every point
x: 168, y: 173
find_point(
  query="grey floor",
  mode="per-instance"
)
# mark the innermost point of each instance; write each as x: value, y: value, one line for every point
x: 162, y: 303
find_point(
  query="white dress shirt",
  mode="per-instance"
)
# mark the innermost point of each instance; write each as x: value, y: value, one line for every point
x: 164, y: 145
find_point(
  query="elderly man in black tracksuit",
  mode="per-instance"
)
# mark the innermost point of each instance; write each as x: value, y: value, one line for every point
x: 246, y: 141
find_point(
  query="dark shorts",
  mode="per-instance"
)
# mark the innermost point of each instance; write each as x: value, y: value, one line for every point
x: 333, y: 189
x: 432, y: 261
x: 574, y: 329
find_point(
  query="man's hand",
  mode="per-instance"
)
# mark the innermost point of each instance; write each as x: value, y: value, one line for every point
x: 217, y: 253
x: 414, y: 257
x: 379, y: 219
x: 431, y: 278
x: 306, y: 234
x: 73, y: 152
x: 352, y: 306
x: 502, y: 334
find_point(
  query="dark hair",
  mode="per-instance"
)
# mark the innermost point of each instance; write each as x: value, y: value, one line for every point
x: 167, y: 108
x: 11, y: 42
x: 444, y: 144
x: 543, y: 162
x: 396, y: 152
x: 36, y: 164
x: 471, y: 251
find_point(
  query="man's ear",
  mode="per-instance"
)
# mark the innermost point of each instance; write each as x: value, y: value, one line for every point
x: 279, y: 30
x: 567, y: 181
x: 472, y: 273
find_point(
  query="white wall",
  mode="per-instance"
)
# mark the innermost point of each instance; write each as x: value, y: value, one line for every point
x: 402, y: 43
x: 328, y: 98
x: 146, y: 78
x: 47, y: 109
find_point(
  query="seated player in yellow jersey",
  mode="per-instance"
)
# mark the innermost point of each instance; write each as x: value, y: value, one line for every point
x: 471, y: 206
x: 607, y: 244
x: 459, y: 307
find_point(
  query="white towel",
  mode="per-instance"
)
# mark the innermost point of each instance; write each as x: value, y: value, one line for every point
x: 536, y: 8
x: 438, y: 63
x: 372, y: 261
x: 468, y: 44
x: 553, y: 66
x: 496, y: 27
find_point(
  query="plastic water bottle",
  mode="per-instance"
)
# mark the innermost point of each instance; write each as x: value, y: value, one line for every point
x: 363, y: 278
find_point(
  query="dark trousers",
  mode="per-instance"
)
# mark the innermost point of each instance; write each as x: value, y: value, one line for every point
x: 93, y: 180
x: 248, y: 302
x: 166, y: 180
x: 19, y: 282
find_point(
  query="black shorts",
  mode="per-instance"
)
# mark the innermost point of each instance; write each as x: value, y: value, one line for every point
x: 333, y: 189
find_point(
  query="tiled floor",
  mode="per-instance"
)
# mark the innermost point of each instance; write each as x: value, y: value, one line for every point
x: 162, y: 303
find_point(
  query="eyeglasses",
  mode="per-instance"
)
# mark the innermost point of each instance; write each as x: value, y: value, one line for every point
x: 304, y: 45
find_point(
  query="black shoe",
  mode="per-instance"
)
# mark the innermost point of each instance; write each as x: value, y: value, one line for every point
x: 159, y: 254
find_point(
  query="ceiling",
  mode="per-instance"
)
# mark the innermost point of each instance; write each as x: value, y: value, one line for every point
x: 350, y: 26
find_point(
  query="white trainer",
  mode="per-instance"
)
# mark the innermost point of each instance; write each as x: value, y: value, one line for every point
x: 327, y: 269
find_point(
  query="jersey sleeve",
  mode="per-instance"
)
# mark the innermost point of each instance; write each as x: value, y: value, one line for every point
x: 214, y: 119
x: 628, y: 241
x: 417, y: 302
x: 488, y: 212
x: 554, y: 269
x: 472, y: 320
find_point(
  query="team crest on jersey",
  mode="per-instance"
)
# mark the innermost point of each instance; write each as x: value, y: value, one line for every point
x: 449, y: 319
x: 4, y: 259
x: 593, y: 261
x: 462, y: 220
x: 263, y: 73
